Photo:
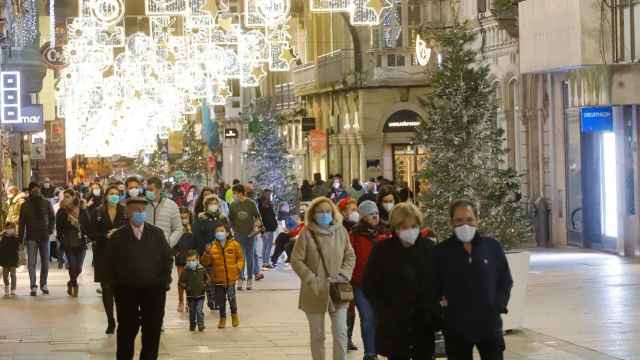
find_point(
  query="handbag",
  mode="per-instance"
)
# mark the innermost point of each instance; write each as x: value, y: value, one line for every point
x: 339, y: 292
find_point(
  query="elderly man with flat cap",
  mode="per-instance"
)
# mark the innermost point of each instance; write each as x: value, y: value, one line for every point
x: 139, y: 263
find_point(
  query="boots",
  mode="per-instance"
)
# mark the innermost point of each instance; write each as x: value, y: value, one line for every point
x: 75, y: 291
x: 222, y: 323
x: 111, y: 327
x: 235, y: 320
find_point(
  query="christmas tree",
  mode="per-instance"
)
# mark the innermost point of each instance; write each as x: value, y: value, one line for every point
x: 194, y: 160
x: 465, y: 146
x: 268, y: 156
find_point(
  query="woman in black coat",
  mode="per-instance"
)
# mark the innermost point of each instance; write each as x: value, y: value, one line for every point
x: 270, y: 222
x: 399, y: 282
x: 109, y: 216
x: 72, y: 222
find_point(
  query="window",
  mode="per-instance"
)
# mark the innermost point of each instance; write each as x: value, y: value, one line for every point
x: 400, y: 60
x: 391, y: 60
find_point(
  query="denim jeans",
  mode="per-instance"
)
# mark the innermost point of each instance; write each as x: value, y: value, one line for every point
x: 196, y: 315
x: 267, y: 245
x: 33, y: 247
x: 367, y: 322
x: 257, y: 253
x: 224, y: 294
x: 248, y: 248
x: 75, y: 257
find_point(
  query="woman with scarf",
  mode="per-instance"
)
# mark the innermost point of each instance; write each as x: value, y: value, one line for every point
x: 71, y: 228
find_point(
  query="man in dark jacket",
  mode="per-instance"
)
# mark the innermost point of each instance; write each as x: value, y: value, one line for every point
x: 474, y: 284
x: 37, y: 221
x: 138, y: 265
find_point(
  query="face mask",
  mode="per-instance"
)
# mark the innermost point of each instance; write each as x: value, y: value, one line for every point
x: 134, y: 192
x: 192, y: 264
x: 465, y: 233
x: 408, y: 237
x: 221, y: 236
x: 388, y: 206
x: 46, y: 185
x: 213, y: 209
x: 354, y: 217
x: 324, y: 219
x: 139, y: 217
x: 96, y: 192
x: 113, y: 199
x: 151, y: 196
x: 336, y: 186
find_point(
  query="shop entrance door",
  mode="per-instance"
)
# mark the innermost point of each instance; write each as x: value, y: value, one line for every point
x: 408, y: 163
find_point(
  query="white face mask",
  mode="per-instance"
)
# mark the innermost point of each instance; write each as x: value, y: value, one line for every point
x: 408, y: 237
x: 96, y: 192
x: 388, y: 206
x: 354, y: 217
x: 213, y: 208
x: 134, y: 192
x: 465, y: 233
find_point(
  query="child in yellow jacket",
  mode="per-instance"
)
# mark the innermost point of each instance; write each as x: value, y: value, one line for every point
x: 224, y: 255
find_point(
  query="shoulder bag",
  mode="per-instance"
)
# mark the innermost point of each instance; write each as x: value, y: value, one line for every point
x: 339, y: 292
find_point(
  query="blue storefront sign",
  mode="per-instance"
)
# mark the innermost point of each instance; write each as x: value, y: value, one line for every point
x: 596, y: 119
x: 32, y: 119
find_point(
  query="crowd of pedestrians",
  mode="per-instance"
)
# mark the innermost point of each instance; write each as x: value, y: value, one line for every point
x: 361, y: 247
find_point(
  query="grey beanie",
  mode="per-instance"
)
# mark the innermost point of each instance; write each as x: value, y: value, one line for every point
x: 367, y: 208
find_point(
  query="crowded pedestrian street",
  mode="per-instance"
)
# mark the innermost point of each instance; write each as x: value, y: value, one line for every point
x: 581, y: 306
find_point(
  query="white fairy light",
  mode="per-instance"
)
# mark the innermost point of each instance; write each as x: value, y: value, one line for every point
x: 423, y: 53
x: 361, y: 12
x: 52, y: 22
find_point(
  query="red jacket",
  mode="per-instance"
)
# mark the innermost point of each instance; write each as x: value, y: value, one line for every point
x: 363, y: 239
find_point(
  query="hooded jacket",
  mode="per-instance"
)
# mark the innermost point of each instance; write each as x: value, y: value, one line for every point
x: 334, y: 243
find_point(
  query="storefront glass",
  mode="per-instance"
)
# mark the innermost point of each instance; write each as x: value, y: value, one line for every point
x: 408, y: 162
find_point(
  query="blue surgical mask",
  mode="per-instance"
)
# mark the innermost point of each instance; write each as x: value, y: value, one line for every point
x: 221, y: 235
x: 324, y: 219
x: 139, y: 217
x: 113, y: 199
x: 151, y: 196
x: 192, y: 264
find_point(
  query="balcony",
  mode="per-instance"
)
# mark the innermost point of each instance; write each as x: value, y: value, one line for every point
x: 331, y: 71
x: 397, y: 67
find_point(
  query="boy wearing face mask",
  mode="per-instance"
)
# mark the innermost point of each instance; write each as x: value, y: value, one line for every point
x: 194, y: 280
x: 182, y: 249
x: 226, y: 257
x: 474, y: 284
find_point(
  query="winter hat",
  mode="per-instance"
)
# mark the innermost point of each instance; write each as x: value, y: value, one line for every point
x: 342, y: 204
x: 367, y: 208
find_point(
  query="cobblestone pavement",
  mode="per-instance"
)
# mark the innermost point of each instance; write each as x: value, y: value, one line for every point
x: 580, y: 306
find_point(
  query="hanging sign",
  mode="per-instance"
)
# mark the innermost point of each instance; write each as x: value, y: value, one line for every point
x: 231, y: 133
x: 10, y: 102
x: 38, y: 151
x: 318, y: 141
x: 32, y: 119
x: 596, y: 119
x: 52, y: 56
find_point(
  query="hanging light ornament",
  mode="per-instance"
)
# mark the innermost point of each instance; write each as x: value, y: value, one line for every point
x: 119, y: 94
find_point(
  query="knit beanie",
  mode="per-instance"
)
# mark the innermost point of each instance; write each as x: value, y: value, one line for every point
x: 367, y: 208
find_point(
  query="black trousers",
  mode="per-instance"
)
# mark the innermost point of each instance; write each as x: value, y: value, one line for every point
x: 107, y: 301
x: 139, y: 307
x: 459, y: 348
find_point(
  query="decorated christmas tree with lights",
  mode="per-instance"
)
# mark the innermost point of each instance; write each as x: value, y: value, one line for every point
x: 194, y: 161
x: 267, y: 155
x: 465, y: 146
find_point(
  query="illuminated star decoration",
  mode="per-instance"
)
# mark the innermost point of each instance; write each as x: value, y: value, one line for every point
x: 287, y: 54
x: 376, y: 5
x: 257, y: 72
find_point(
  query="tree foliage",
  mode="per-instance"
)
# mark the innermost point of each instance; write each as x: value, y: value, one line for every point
x: 268, y: 157
x: 465, y: 146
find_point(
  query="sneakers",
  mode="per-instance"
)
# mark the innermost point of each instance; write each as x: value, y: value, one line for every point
x: 235, y: 320
x: 241, y: 285
x: 222, y: 323
x: 259, y: 276
x: 250, y: 284
x: 34, y: 291
x: 45, y: 290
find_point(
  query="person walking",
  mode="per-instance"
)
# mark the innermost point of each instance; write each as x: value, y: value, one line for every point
x: 399, y: 284
x: 364, y: 236
x: 355, y: 191
x: 199, y: 207
x: 37, y: 222
x: 226, y: 258
x: 349, y: 209
x: 243, y: 214
x: 72, y: 222
x: 138, y: 264
x: 268, y: 214
x: 182, y: 249
x: 15, y: 199
x: 163, y: 212
x: 474, y: 284
x: 193, y: 280
x: 306, y: 191
x: 109, y: 217
x: 323, y: 256
x: 207, y: 221
x: 387, y: 198
x: 9, y: 245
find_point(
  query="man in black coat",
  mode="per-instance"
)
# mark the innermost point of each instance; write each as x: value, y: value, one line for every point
x: 37, y: 222
x: 474, y: 284
x: 138, y: 265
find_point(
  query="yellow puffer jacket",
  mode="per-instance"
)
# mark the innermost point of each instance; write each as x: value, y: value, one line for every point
x: 227, y: 268
x: 13, y: 208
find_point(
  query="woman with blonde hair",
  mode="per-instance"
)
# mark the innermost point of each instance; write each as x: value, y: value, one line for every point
x: 399, y: 283
x: 323, y: 256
